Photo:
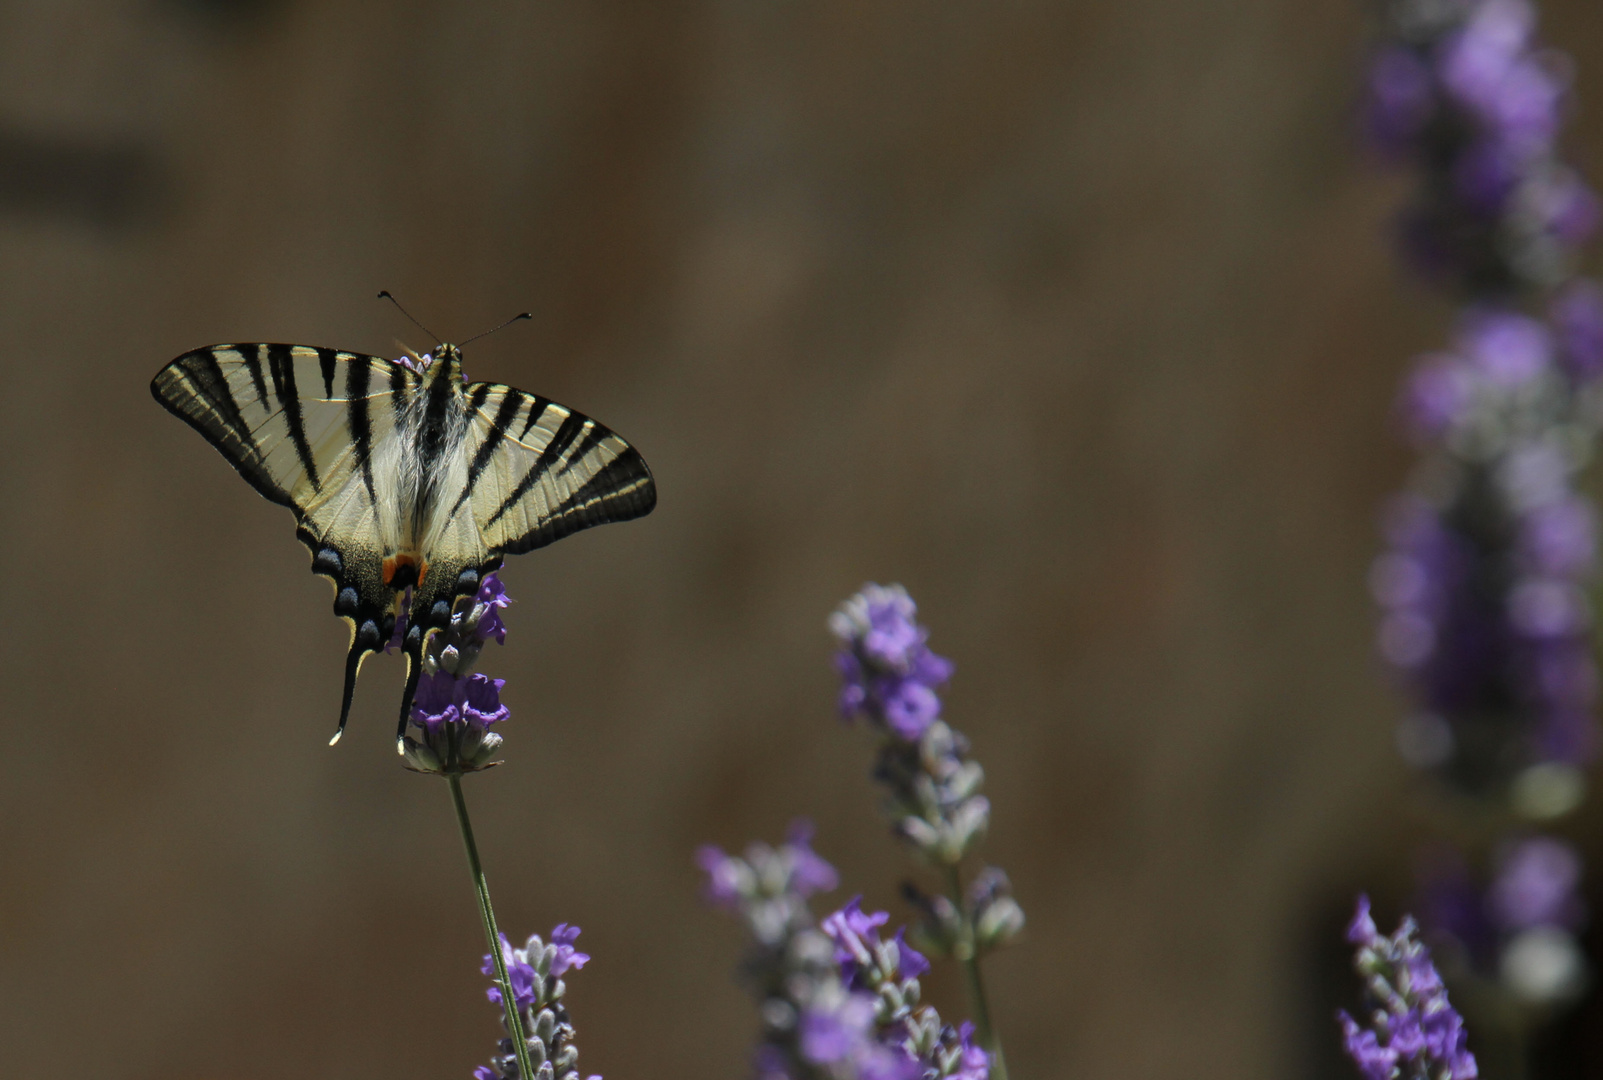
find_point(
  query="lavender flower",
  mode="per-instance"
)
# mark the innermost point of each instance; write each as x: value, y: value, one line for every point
x: 1535, y: 902
x: 1493, y: 548
x: 1413, y: 1032
x: 536, y: 972
x: 889, y: 678
x: 790, y: 966
x: 880, y: 981
x: 1463, y: 90
x: 887, y: 969
x: 889, y: 673
x: 455, y: 708
x: 1483, y: 588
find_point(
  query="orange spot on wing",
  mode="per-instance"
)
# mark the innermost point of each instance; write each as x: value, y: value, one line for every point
x: 394, y: 563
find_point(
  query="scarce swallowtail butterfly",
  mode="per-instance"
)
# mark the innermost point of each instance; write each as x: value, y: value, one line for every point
x: 403, y: 477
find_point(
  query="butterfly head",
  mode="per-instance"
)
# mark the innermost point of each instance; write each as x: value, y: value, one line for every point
x: 445, y: 363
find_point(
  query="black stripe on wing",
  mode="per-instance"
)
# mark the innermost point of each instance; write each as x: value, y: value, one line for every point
x: 511, y: 401
x: 621, y: 490
x: 195, y: 389
x: 281, y: 363
x: 247, y: 401
x: 573, y: 474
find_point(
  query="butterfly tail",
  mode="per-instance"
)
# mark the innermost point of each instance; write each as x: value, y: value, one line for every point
x: 353, y: 665
x: 414, y: 670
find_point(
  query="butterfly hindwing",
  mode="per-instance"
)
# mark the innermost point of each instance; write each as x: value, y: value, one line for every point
x: 538, y: 471
x: 301, y: 425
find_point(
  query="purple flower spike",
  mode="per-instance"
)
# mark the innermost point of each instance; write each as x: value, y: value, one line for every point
x: 535, y: 973
x: 1414, y: 1032
x: 889, y: 678
x: 890, y: 675
x: 1466, y: 93
x: 840, y: 1002
x: 455, y: 707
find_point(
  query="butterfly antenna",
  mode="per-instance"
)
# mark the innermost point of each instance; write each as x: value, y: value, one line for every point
x: 503, y: 326
x: 384, y: 294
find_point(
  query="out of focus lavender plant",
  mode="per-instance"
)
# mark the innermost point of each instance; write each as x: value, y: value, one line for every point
x: 1483, y: 587
x: 1463, y: 90
x: 535, y: 973
x: 790, y: 966
x: 889, y: 680
x: 1492, y: 549
x: 1521, y: 925
x: 1410, y: 1030
x: 836, y: 1001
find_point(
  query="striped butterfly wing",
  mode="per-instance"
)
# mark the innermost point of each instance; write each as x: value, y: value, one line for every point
x: 301, y: 425
x: 537, y: 471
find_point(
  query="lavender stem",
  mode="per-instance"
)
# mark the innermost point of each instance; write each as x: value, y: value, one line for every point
x: 492, y: 933
x: 969, y: 956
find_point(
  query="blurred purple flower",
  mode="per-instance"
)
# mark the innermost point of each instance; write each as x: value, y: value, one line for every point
x: 1414, y: 1033
x: 1537, y: 884
x: 888, y: 672
x: 1465, y: 92
x: 789, y: 965
x: 1577, y: 315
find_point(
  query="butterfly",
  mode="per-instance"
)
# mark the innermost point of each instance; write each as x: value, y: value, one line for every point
x: 403, y: 475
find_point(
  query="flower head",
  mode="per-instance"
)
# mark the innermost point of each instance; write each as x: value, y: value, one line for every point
x: 1465, y: 91
x: 454, y: 707
x: 535, y: 972
x: 789, y: 966
x: 1413, y: 1033
x: 889, y: 674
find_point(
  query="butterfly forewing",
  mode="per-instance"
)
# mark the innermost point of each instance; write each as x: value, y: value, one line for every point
x: 301, y: 425
x: 539, y: 471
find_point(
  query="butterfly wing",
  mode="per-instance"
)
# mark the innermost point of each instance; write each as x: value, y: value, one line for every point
x: 537, y: 471
x: 527, y: 472
x: 302, y: 425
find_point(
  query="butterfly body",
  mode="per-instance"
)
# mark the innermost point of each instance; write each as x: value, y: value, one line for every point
x: 403, y: 479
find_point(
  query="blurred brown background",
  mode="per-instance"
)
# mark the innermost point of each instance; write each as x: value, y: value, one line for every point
x: 1077, y: 318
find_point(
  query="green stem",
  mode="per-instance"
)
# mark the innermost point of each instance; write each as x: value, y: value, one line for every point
x: 968, y: 956
x: 492, y: 933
